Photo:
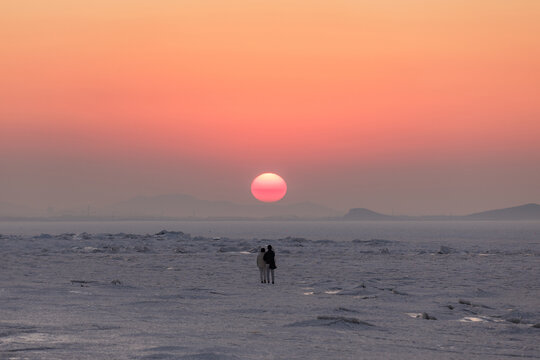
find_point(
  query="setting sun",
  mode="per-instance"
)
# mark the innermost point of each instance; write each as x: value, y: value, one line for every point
x: 269, y: 187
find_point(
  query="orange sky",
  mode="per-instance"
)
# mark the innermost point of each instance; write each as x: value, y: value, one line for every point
x: 417, y: 106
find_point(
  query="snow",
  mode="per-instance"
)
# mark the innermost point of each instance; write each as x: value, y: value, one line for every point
x: 470, y: 292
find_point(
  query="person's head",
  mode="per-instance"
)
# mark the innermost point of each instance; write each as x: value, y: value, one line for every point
x: 262, y: 249
x: 269, y: 247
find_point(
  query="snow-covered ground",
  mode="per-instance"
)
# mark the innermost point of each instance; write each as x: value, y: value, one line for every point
x: 171, y: 295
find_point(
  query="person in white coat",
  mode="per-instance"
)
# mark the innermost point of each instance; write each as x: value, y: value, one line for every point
x: 261, y: 264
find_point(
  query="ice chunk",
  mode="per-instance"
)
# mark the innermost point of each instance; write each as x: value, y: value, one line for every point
x: 374, y: 242
x: 333, y: 321
x: 208, y: 356
x: 446, y: 250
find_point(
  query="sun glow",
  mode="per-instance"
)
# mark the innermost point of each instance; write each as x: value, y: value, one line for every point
x: 269, y: 187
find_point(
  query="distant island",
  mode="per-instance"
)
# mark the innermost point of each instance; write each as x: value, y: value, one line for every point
x: 522, y: 212
x: 188, y: 208
x: 366, y: 214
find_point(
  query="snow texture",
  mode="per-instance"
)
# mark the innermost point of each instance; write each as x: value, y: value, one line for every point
x: 171, y: 295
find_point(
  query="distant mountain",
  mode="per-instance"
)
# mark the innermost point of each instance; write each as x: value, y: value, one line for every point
x: 186, y: 206
x: 523, y: 212
x: 181, y: 206
x: 366, y: 214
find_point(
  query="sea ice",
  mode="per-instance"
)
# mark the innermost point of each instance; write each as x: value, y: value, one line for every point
x: 170, y: 295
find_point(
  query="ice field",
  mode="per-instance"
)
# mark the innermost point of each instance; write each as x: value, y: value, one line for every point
x: 344, y: 290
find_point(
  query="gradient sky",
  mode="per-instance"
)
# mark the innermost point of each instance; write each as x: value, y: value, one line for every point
x: 410, y: 106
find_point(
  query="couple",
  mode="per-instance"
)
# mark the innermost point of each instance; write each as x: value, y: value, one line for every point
x: 266, y: 264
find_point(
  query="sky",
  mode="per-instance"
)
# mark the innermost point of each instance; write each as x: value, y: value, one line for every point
x: 406, y: 106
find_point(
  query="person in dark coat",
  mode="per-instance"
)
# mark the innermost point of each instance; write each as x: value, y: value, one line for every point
x: 270, y: 260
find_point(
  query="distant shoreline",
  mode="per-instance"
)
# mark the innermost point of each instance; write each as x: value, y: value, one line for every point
x: 525, y: 212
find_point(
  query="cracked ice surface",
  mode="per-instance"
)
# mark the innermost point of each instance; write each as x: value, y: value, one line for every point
x: 172, y: 295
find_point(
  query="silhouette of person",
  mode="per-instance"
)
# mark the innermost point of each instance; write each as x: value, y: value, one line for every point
x: 261, y: 264
x: 269, y: 259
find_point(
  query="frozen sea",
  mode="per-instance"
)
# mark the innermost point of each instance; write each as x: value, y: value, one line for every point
x: 344, y: 290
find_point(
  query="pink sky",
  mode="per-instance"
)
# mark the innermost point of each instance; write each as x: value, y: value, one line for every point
x: 410, y: 106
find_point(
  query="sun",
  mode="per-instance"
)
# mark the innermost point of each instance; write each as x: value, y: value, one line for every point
x: 269, y: 187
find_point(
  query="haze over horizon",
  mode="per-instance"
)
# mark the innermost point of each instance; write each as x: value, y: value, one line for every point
x: 409, y: 107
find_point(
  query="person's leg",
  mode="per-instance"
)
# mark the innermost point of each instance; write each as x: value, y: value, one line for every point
x: 268, y: 273
x: 272, y: 272
x: 261, y: 273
